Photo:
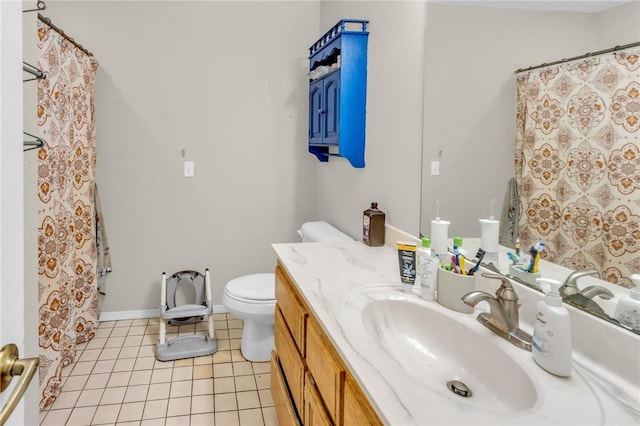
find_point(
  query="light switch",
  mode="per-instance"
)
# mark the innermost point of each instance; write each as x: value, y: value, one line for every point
x: 435, y: 168
x: 188, y: 169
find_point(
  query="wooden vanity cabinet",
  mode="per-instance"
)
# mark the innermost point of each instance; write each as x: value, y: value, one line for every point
x: 310, y: 383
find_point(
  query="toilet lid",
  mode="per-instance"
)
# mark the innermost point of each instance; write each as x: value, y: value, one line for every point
x: 256, y: 287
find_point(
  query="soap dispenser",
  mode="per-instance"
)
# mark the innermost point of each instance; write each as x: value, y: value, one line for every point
x: 551, y: 346
x: 628, y: 309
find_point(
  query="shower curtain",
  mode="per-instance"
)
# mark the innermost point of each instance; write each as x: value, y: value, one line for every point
x: 67, y: 253
x: 578, y: 162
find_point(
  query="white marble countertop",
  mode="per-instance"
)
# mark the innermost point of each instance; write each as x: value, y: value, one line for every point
x: 327, y: 273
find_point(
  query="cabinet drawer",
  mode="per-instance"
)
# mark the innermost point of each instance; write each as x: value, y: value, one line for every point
x: 285, y: 410
x: 314, y: 412
x: 294, y: 313
x: 325, y: 367
x: 290, y: 360
x: 357, y: 410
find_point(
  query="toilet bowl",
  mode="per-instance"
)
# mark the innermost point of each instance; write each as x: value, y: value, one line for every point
x: 252, y: 298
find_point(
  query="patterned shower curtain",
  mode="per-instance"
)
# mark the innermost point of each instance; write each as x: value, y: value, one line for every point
x: 67, y: 282
x: 578, y: 162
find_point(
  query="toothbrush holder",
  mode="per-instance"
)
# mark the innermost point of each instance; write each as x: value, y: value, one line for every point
x: 451, y: 288
x: 516, y: 271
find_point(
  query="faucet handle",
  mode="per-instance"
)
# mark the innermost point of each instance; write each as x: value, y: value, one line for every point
x: 506, y: 290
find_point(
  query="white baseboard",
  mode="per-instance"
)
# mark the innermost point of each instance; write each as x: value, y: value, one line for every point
x: 145, y: 313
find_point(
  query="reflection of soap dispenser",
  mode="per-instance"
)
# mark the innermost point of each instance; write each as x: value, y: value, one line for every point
x: 628, y: 309
x: 551, y: 346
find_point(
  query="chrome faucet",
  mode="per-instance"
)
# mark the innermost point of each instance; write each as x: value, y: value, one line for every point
x: 503, y: 318
x: 570, y: 286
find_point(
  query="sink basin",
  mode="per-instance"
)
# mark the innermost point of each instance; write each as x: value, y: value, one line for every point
x: 431, y: 346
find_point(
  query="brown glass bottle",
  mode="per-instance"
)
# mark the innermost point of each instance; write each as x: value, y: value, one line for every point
x: 373, y: 226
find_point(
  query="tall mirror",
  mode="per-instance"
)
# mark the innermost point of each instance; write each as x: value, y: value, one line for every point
x: 472, y: 49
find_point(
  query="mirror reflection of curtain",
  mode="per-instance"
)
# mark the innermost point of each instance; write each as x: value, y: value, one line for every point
x: 67, y: 283
x: 578, y: 162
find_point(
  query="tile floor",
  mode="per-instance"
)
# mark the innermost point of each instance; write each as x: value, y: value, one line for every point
x: 116, y: 380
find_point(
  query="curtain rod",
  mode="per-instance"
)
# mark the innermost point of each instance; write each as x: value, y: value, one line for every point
x: 62, y: 33
x: 586, y: 55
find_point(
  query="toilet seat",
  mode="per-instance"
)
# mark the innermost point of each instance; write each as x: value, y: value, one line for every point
x: 255, y: 288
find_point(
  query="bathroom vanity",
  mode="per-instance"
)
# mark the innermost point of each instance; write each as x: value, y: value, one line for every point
x: 353, y: 349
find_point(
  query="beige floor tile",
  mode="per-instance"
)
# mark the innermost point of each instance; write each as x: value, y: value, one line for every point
x: 103, y: 366
x: 106, y: 324
x: 235, y: 333
x: 137, y: 330
x: 56, y: 417
x: 234, y: 323
x: 95, y: 343
x: 225, y: 402
x: 139, y: 321
x: 222, y: 333
x: 158, y: 391
x: 109, y: 354
x: 234, y: 344
x: 142, y: 377
x: 144, y: 363
x: 269, y: 416
x: 102, y: 333
x: 205, y: 419
x: 114, y: 342
x: 132, y: 423
x: 189, y: 328
x: 119, y: 332
x: 202, y: 387
x: 179, y: 406
x: 82, y: 368
x: 123, y: 323
x: 124, y: 364
x: 203, y: 326
x: 131, y: 411
x: 81, y: 416
x: 136, y: 393
x: 185, y: 362
x: 133, y: 341
x: 222, y: 370
x: 227, y: 418
x: 182, y: 388
x: 245, y: 383
x: 203, y: 360
x: 202, y: 372
x: 263, y: 381
x: 155, y: 409
x: 201, y: 404
x: 163, y: 364
x: 242, y: 368
x: 179, y: 421
x: 248, y: 399
x: 113, y: 395
x: 89, y: 397
x: 252, y: 417
x: 148, y: 349
x: 218, y: 317
x: 224, y: 385
x: 97, y: 381
x: 266, y: 400
x: 74, y: 383
x: 129, y: 352
x: 161, y: 376
x: 153, y: 422
x: 223, y: 345
x: 182, y: 373
x: 119, y: 379
x: 66, y: 400
x: 221, y: 357
x: 236, y: 355
x: 261, y: 367
x: 106, y: 414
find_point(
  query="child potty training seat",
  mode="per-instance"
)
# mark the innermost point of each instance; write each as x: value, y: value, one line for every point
x: 200, y: 310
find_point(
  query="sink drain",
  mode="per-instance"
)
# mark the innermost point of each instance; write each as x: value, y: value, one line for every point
x: 459, y: 388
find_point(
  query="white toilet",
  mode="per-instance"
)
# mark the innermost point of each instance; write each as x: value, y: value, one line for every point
x: 252, y: 298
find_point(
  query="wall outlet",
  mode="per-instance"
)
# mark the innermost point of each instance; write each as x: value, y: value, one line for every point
x: 435, y: 168
x: 188, y: 169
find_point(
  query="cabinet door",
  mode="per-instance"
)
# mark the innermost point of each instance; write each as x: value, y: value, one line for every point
x: 290, y: 360
x: 314, y: 412
x: 332, y: 108
x: 285, y: 410
x: 357, y: 411
x: 316, y: 111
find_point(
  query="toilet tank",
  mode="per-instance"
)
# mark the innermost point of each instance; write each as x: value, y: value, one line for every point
x: 321, y: 231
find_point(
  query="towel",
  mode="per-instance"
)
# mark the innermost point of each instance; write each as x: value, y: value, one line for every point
x: 102, y: 245
x: 510, y: 215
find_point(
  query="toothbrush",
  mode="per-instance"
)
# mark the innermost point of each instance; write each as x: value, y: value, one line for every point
x: 479, y: 256
x: 513, y: 257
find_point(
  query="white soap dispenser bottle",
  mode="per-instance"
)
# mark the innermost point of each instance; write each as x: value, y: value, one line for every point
x: 551, y: 346
x: 628, y: 309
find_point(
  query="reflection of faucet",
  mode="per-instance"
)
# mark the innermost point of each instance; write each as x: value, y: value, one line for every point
x: 503, y: 318
x: 570, y: 286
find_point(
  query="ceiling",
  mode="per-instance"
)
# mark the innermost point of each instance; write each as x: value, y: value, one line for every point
x: 585, y: 6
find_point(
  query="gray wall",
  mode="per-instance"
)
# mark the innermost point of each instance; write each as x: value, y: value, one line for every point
x: 471, y: 54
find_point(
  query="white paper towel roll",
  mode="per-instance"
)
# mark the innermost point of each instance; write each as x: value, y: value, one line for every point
x: 489, y: 235
x: 439, y: 235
